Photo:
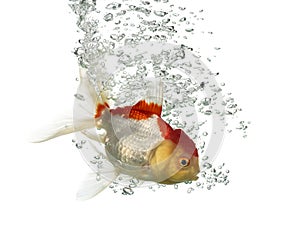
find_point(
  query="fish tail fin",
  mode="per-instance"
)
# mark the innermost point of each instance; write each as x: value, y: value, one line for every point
x: 83, y: 113
x: 59, y: 128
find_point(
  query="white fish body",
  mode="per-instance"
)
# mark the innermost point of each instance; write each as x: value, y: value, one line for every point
x: 132, y: 137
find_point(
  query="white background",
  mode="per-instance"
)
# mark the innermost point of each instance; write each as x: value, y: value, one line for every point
x: 259, y: 63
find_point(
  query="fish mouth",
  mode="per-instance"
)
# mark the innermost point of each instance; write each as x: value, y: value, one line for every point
x: 195, y: 175
x: 195, y: 178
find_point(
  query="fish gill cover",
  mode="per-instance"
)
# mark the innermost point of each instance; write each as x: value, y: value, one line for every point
x: 122, y: 44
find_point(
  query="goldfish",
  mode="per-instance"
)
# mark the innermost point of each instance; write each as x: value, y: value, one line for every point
x: 137, y: 141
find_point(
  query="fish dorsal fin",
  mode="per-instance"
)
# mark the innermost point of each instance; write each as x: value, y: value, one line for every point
x: 150, y: 105
x: 141, y: 110
x: 154, y: 87
x: 144, y: 110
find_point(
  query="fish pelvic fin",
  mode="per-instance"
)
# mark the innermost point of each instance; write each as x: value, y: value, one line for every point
x: 94, y: 183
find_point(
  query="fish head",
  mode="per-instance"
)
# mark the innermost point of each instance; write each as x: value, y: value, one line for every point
x: 175, y: 160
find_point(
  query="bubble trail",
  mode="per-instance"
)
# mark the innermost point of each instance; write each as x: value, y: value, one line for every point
x: 105, y: 26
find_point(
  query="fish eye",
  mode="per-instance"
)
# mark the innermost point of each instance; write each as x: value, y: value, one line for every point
x: 184, y: 162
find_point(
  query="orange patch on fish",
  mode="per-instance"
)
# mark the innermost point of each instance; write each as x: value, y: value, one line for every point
x: 99, y: 109
x: 139, y: 111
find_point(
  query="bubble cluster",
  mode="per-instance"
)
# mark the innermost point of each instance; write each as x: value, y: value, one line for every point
x: 79, y: 144
x: 209, y: 177
x: 105, y: 26
x: 98, y: 161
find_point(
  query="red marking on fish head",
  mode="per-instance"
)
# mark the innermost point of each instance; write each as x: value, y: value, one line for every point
x: 180, y: 138
x: 164, y: 128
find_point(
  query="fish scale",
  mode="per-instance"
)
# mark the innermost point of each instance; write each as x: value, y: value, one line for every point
x: 131, y: 141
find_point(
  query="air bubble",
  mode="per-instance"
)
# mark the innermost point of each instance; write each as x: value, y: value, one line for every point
x: 121, y: 13
x: 207, y: 165
x: 78, y: 145
x: 147, y: 37
x: 206, y: 101
x: 117, y: 37
x: 189, y: 29
x: 108, y: 17
x: 132, y: 7
x: 182, y: 19
x: 205, y: 157
x: 165, y: 21
x: 127, y: 191
x: 146, y: 2
x: 113, y: 6
x: 160, y: 13
x: 190, y: 190
x: 208, y: 112
x: 98, y: 177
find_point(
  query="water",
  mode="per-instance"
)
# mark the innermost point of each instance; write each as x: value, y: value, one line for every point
x: 111, y: 30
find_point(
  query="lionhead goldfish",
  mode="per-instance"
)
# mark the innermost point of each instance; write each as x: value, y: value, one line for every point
x: 137, y: 141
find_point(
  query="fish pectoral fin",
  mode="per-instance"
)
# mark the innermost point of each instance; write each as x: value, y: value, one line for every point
x: 92, y: 134
x: 94, y: 183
